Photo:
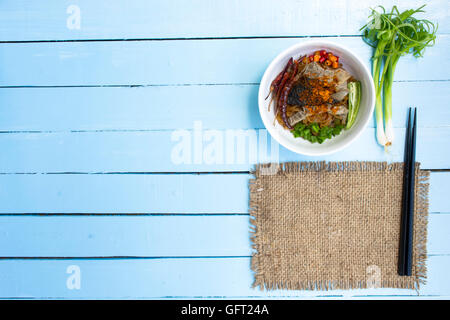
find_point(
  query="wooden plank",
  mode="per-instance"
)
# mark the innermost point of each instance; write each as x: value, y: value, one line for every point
x: 438, y: 235
x: 124, y: 108
x: 173, y: 278
x: 141, y: 193
x: 438, y: 195
x: 177, y: 62
x: 47, y: 20
x: 181, y: 151
x: 149, y: 236
x: 124, y: 193
x: 159, y: 108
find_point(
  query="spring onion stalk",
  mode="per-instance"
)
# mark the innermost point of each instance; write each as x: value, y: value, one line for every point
x: 377, y: 63
x: 387, y: 96
x: 393, y: 35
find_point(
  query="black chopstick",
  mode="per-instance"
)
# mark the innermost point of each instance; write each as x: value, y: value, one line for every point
x: 405, y: 203
x: 409, y: 176
x: 411, y: 192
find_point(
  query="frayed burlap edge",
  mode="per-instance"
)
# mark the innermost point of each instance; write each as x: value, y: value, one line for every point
x: 420, y: 232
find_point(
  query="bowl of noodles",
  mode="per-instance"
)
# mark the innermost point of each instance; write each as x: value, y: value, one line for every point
x: 316, y: 97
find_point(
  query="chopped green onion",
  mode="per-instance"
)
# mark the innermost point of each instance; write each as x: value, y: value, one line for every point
x: 314, y: 133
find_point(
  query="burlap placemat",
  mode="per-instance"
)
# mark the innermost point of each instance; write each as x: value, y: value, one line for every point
x: 322, y: 226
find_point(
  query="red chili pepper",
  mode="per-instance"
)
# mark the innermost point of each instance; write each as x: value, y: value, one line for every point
x: 284, y: 78
x: 337, y: 58
x: 276, y: 82
x: 323, y: 53
x: 311, y: 58
x: 282, y: 102
x: 321, y: 60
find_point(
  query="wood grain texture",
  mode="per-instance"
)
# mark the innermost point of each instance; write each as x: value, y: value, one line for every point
x: 124, y: 193
x: 175, y: 278
x: 178, y: 151
x: 47, y: 20
x: 149, y: 236
x: 175, y: 107
x: 183, y: 62
x: 86, y: 121
x: 147, y: 193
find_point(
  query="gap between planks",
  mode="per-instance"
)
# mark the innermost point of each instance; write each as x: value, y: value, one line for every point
x: 150, y: 257
x: 244, y: 172
x: 192, y: 38
x: 86, y: 214
x: 172, y: 85
x: 188, y: 38
x: 124, y: 257
x: 142, y: 130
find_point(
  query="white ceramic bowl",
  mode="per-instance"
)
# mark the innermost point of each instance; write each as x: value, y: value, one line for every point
x: 352, y: 64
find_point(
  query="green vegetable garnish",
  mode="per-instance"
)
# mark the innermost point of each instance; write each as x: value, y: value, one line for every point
x: 315, y: 128
x: 393, y: 35
x: 313, y: 133
x: 354, y: 98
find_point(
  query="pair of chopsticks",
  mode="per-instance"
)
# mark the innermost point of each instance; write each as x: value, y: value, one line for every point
x: 409, y: 178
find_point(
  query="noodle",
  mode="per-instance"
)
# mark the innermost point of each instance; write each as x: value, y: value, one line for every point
x: 314, y: 95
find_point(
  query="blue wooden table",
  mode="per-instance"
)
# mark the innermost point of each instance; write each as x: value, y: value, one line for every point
x: 101, y: 198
